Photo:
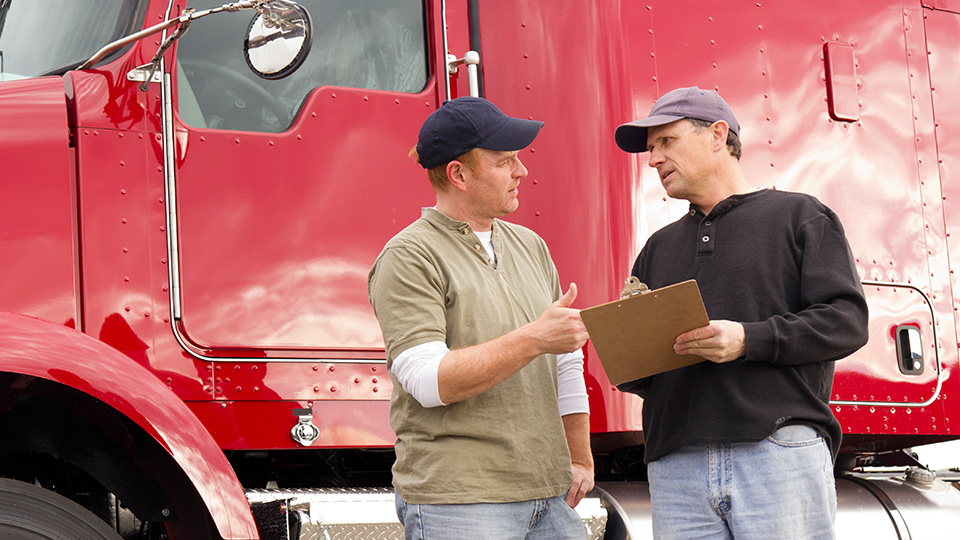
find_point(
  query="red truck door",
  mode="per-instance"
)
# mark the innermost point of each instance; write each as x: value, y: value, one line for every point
x: 286, y: 191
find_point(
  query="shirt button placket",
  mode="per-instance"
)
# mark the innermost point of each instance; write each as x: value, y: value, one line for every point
x: 706, y: 239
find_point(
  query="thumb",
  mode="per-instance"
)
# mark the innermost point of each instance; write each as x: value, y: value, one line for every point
x: 567, y: 299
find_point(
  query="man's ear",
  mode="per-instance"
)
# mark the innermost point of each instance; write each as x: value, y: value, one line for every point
x: 455, y: 172
x: 719, y: 131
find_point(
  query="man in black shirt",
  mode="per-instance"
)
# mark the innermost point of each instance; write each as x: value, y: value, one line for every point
x: 742, y: 446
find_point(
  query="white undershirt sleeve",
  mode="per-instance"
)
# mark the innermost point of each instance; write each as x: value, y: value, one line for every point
x: 418, y: 370
x: 572, y: 392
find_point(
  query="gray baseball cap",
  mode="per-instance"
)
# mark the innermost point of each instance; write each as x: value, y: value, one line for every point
x: 691, y: 102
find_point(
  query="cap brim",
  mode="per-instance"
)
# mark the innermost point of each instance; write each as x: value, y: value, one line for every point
x: 514, y: 134
x: 632, y: 136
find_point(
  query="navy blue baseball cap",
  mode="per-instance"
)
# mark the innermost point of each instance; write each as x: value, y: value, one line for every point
x: 676, y: 105
x: 465, y: 123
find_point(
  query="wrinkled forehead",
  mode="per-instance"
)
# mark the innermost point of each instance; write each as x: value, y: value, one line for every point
x: 673, y: 129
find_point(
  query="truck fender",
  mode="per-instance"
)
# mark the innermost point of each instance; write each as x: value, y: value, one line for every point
x: 45, y: 350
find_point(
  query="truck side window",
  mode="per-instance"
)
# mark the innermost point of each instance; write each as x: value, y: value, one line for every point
x: 374, y: 44
x: 34, y: 44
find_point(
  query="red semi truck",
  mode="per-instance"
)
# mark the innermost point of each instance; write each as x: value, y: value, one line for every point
x: 186, y: 225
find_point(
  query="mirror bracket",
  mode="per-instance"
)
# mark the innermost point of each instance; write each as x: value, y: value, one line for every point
x: 144, y: 73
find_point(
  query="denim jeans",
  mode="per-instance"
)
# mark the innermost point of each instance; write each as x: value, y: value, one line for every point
x: 539, y: 519
x: 780, y: 488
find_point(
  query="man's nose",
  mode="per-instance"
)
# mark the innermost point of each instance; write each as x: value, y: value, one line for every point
x: 520, y: 171
x: 656, y: 158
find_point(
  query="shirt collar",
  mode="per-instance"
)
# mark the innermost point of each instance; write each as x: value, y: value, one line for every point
x: 729, y: 203
x: 435, y: 216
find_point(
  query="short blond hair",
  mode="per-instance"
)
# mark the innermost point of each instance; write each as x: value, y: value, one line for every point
x: 438, y: 175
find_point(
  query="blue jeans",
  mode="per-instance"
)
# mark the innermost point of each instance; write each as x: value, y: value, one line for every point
x: 780, y: 488
x: 539, y: 519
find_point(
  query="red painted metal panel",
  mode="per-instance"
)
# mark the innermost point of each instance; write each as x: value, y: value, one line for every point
x: 943, y: 42
x: 37, y: 235
x: 458, y: 43
x: 945, y: 5
x: 317, y: 381
x: 243, y: 425
x: 873, y: 376
x: 303, y: 216
x: 123, y: 234
x: 111, y: 101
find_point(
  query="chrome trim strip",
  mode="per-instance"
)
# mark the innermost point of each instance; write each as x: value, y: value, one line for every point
x: 443, y: 69
x: 170, y: 184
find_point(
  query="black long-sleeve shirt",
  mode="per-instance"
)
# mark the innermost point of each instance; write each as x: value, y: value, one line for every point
x: 779, y: 263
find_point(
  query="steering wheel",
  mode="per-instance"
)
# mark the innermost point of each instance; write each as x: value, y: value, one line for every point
x: 231, y: 101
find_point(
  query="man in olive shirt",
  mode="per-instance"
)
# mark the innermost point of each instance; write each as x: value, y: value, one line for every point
x: 489, y: 403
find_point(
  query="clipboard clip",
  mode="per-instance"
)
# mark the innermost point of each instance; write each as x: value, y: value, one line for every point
x: 633, y: 286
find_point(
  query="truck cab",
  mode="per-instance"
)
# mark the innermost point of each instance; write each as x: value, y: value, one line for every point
x: 186, y: 227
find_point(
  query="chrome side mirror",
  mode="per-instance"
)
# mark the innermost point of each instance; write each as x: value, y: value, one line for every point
x: 277, y: 43
x: 278, y: 39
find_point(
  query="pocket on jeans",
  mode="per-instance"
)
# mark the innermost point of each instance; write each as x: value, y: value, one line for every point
x: 401, y: 506
x: 795, y: 436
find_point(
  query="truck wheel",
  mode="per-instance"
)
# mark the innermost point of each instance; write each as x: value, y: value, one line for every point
x: 29, y: 512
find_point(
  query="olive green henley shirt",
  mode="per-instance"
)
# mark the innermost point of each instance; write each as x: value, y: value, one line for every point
x: 434, y: 281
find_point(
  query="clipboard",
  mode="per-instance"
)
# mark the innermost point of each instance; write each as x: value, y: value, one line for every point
x: 634, y: 336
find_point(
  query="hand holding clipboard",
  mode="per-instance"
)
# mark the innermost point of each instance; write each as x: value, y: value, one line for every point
x: 634, y: 336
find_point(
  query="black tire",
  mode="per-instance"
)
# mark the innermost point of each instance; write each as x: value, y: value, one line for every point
x: 29, y: 512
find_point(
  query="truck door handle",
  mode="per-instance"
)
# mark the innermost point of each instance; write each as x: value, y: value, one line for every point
x: 909, y: 349
x: 471, y: 59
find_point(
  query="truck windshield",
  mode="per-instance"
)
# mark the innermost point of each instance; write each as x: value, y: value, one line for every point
x: 50, y: 37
